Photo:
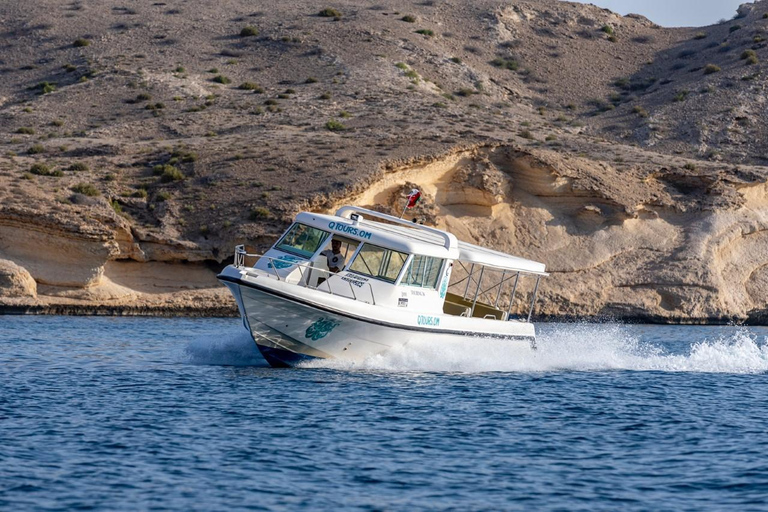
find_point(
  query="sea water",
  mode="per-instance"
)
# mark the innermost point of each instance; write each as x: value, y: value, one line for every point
x: 155, y: 414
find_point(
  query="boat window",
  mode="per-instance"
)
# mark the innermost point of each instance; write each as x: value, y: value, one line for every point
x: 378, y: 262
x: 424, y: 271
x: 302, y: 240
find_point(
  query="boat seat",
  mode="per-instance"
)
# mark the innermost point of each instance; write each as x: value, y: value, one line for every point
x: 451, y: 308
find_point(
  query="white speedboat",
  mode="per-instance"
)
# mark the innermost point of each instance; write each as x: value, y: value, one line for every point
x: 390, y: 282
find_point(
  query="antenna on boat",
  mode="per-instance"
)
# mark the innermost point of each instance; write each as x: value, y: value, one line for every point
x: 413, y: 198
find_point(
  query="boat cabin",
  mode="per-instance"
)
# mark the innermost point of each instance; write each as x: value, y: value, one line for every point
x: 394, y: 263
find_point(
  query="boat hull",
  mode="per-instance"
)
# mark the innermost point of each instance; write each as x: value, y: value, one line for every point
x: 289, y: 332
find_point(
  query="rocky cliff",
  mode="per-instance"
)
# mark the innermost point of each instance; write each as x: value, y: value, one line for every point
x: 144, y: 141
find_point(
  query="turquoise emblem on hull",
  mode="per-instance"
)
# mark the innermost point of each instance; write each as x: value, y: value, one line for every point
x: 321, y: 328
x: 284, y: 262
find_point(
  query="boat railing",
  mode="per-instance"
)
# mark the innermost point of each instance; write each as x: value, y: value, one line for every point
x: 241, y: 254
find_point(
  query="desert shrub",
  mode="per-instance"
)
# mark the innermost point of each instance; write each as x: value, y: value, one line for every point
x: 711, y: 68
x: 221, y: 79
x: 144, y: 96
x: 250, y: 86
x: 81, y: 42
x: 690, y: 166
x: 325, y: 96
x: 526, y: 134
x: 681, y: 95
x: 425, y: 32
x: 685, y: 54
x: 765, y: 15
x: 408, y: 18
x: 457, y: 60
x: 440, y: 104
x: 213, y: 70
x: 78, y: 167
x: 40, y: 169
x: 26, y: 130
x: 700, y: 35
x: 310, y: 80
x: 179, y: 69
x: 45, y: 87
x: 140, y: 193
x: 345, y: 114
x: 57, y: 122
x: 36, y: 149
x: 116, y: 206
x: 171, y: 173
x: 640, y: 111
x: 69, y: 68
x: 86, y: 189
x: 335, y: 126
x: 412, y: 74
x: 162, y: 196
x: 465, y: 92
x: 607, y: 29
x: 290, y: 91
x: 271, y: 102
x: 401, y: 65
x: 505, y: 63
x: 329, y: 13
x: 734, y: 28
x: 751, y: 60
x: 249, y: 32
x: 260, y: 213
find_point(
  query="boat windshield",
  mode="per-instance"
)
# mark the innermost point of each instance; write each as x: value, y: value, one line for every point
x: 424, y: 272
x: 302, y: 240
x: 378, y: 262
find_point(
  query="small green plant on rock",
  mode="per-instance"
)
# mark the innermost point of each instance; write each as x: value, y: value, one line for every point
x: 86, y: 189
x: 250, y: 86
x: 260, y: 213
x: 329, y: 13
x: 505, y: 63
x: 78, y: 167
x: 335, y: 126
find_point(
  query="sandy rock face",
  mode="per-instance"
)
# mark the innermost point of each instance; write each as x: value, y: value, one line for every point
x: 15, y: 281
x: 615, y: 247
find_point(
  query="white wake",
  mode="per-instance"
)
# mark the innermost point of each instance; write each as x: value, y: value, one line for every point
x: 575, y: 347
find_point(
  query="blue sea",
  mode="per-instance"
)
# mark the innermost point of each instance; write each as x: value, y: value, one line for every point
x: 184, y: 414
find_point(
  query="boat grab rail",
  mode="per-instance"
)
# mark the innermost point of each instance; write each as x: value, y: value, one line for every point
x: 241, y: 254
x: 449, y: 241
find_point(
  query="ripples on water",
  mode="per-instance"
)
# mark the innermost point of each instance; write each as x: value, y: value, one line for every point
x: 182, y: 413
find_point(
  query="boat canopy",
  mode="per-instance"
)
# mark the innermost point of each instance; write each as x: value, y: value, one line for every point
x: 425, y: 240
x: 490, y: 258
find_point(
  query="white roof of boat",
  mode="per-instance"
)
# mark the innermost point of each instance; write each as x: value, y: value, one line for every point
x: 467, y: 252
x: 432, y: 241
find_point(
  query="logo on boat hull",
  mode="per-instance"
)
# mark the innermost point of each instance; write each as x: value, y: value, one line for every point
x: 428, y: 320
x: 321, y: 328
x: 284, y: 262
